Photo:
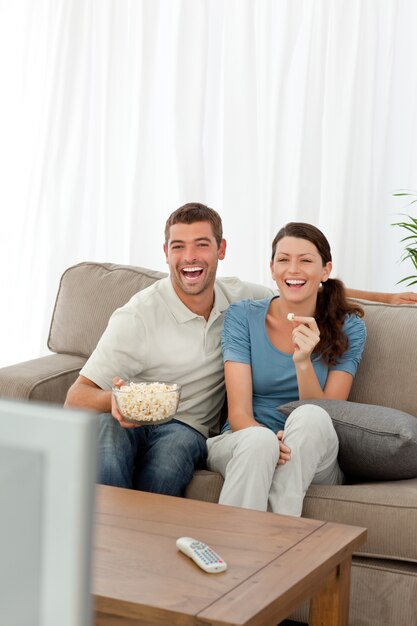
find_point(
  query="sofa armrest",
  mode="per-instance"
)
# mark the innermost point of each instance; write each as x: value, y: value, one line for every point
x: 46, y: 379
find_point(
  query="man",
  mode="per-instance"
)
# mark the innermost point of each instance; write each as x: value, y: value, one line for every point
x: 169, y: 332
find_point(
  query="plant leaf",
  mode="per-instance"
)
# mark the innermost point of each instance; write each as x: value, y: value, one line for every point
x: 408, y: 278
x: 410, y: 225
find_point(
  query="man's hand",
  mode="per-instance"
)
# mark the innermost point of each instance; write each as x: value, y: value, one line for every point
x: 407, y: 297
x: 306, y: 336
x: 284, y: 451
x: 118, y: 382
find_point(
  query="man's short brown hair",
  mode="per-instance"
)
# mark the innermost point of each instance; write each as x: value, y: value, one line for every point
x: 196, y: 212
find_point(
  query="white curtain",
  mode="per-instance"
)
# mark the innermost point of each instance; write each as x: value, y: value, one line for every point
x: 115, y: 112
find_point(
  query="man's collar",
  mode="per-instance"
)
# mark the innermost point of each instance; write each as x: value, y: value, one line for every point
x: 221, y: 303
x: 182, y: 313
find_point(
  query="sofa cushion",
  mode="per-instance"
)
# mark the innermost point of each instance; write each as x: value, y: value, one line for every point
x: 387, y: 373
x: 375, y: 442
x: 387, y: 509
x: 205, y: 485
x: 87, y: 296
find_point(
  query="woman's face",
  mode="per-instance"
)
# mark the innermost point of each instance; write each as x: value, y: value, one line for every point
x: 298, y: 270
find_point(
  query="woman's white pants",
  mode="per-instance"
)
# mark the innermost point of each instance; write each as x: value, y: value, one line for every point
x: 247, y: 459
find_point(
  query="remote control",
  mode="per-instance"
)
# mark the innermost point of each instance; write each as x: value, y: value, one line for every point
x: 201, y: 554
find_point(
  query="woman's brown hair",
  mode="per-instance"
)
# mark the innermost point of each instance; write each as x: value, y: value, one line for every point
x: 332, y: 304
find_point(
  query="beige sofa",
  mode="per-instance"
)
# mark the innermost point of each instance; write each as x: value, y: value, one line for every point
x: 384, y: 574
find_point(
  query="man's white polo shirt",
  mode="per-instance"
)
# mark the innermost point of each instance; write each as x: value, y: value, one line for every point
x: 156, y: 338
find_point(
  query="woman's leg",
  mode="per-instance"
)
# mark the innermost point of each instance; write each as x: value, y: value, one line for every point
x: 246, y: 459
x: 310, y: 434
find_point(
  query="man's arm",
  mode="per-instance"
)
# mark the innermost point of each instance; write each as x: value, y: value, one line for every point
x: 406, y: 297
x: 87, y: 395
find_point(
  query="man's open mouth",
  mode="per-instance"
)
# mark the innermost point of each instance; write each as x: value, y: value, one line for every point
x: 192, y: 273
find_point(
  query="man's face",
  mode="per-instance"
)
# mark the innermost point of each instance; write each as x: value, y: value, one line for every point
x: 192, y: 255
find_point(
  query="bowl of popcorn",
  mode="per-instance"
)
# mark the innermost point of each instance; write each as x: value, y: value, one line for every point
x: 147, y: 403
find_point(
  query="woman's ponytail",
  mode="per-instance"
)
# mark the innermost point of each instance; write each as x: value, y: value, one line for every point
x: 331, y: 310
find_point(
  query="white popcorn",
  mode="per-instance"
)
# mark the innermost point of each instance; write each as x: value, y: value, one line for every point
x: 290, y: 317
x: 148, y: 402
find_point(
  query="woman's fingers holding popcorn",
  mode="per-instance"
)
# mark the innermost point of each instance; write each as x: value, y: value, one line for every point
x: 310, y: 322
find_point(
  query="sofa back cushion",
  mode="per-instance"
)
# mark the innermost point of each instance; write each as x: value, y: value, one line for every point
x: 87, y: 296
x: 387, y: 374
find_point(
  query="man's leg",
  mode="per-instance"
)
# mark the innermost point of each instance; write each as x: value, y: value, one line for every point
x: 246, y: 459
x: 310, y: 434
x: 117, y: 452
x: 172, y: 452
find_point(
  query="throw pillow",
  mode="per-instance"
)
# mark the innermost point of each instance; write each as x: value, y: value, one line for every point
x: 375, y: 442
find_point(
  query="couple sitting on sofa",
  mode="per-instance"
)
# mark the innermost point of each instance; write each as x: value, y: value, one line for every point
x: 172, y: 332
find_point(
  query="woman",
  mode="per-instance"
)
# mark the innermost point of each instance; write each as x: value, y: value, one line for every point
x: 272, y: 357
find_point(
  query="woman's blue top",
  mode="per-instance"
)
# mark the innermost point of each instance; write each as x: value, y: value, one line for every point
x: 274, y: 378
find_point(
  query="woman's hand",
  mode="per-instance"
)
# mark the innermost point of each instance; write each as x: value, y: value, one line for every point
x: 284, y: 451
x: 306, y: 336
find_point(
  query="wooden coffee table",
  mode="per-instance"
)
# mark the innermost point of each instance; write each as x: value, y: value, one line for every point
x: 274, y: 564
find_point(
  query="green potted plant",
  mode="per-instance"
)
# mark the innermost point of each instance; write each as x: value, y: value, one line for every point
x: 410, y: 240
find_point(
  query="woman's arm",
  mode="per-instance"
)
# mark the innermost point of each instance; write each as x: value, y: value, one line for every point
x: 337, y: 387
x: 238, y: 377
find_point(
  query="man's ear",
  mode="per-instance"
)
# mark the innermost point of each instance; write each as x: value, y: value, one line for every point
x: 166, y: 252
x: 221, y: 252
x: 326, y: 271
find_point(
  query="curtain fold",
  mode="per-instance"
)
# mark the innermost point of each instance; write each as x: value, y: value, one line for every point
x: 115, y: 113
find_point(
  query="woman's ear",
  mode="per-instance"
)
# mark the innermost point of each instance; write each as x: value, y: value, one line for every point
x: 271, y: 267
x: 326, y: 271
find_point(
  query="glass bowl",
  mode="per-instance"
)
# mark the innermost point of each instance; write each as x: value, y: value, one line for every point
x: 147, y: 403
